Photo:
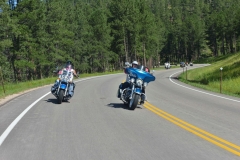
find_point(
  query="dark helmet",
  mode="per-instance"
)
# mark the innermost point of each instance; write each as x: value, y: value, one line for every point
x: 69, y: 64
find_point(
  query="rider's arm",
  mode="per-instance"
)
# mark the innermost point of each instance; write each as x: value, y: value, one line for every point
x: 74, y: 73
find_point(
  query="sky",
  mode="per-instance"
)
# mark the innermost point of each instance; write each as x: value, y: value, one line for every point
x: 13, y: 3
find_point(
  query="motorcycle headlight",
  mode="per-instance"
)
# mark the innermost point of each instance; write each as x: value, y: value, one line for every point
x: 145, y: 84
x: 132, y: 80
x: 139, y: 82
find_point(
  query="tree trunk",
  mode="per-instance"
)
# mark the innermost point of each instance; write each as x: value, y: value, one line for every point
x: 144, y: 55
x: 125, y: 45
x: 198, y: 50
x: 234, y: 43
x: 223, y: 48
x: 215, y: 47
x: 231, y: 44
x: 135, y: 54
x: 14, y: 70
x: 186, y: 52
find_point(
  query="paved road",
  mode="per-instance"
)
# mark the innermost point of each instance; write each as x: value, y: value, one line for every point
x: 178, y: 122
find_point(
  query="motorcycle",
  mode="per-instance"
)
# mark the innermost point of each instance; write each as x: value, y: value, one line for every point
x: 63, y: 86
x: 131, y: 95
x: 167, y: 65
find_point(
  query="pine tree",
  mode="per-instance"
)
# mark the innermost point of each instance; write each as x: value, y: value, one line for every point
x: 101, y: 39
x: 28, y: 39
x: 6, y: 28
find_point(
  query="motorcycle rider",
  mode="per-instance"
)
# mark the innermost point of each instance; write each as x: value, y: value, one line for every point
x: 68, y: 67
x: 147, y: 69
x: 126, y: 84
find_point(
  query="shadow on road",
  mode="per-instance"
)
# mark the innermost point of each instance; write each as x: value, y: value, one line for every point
x: 173, y: 78
x: 55, y: 101
x: 120, y: 105
x: 117, y: 105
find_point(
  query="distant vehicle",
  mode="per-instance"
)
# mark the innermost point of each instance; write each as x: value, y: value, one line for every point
x: 182, y: 64
x: 167, y: 65
x: 191, y: 64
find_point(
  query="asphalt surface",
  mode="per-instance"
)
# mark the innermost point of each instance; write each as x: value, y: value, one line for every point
x: 95, y: 125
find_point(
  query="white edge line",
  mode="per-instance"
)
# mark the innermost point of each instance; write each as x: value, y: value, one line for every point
x: 14, y: 123
x: 170, y: 78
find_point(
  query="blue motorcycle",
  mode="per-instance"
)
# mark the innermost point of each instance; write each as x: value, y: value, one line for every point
x: 139, y: 79
x: 63, y: 85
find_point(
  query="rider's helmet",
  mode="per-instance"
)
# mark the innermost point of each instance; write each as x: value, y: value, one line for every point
x: 69, y: 65
x: 134, y: 64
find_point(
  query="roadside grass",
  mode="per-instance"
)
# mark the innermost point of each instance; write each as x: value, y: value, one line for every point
x: 209, y: 77
x: 13, y: 88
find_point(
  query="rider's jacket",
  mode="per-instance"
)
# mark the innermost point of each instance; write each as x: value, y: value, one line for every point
x: 70, y: 73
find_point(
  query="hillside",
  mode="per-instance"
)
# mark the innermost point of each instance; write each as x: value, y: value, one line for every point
x: 209, y: 77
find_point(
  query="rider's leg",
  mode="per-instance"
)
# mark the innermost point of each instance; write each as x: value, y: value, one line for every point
x: 71, y: 89
x: 120, y: 90
x: 143, y: 96
x: 54, y: 87
x: 122, y: 86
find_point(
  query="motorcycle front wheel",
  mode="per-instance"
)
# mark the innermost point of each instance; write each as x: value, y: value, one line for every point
x: 60, y: 96
x: 134, y: 102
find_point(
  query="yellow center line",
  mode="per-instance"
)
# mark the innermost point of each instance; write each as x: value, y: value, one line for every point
x: 194, y: 129
x: 198, y: 129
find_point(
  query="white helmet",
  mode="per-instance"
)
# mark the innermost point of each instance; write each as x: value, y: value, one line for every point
x: 135, y: 62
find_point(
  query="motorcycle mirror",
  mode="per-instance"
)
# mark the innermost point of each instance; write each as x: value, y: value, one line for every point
x: 127, y: 64
x: 56, y: 70
x: 152, y: 72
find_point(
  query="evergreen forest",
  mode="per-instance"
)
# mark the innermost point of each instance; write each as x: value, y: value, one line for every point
x: 37, y: 36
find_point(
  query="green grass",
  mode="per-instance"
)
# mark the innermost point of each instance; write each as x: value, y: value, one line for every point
x: 13, y: 88
x: 209, y: 77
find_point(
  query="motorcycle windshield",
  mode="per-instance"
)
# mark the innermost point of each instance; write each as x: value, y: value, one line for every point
x: 136, y: 73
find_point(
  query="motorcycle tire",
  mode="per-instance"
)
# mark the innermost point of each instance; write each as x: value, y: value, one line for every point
x: 60, y: 96
x: 134, y: 104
